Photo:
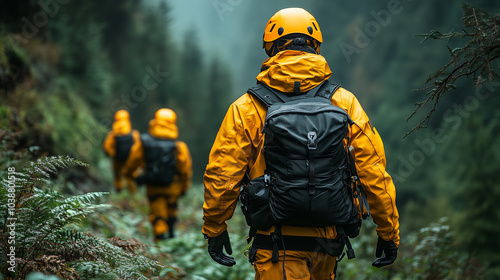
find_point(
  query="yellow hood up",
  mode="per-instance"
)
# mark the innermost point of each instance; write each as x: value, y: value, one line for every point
x: 287, y: 67
x: 122, y: 127
x: 163, y: 129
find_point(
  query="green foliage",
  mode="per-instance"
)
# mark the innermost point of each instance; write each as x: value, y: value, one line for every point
x: 187, y: 254
x: 82, y: 136
x: 435, y: 256
x: 36, y: 222
x: 431, y: 253
x: 41, y: 276
x: 472, y: 176
x: 93, y: 58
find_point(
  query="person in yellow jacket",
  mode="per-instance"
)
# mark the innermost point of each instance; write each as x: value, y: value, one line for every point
x: 167, y: 170
x: 117, y: 145
x: 237, y: 153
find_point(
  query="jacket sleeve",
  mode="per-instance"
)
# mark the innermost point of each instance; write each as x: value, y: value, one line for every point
x: 370, y: 164
x: 184, y: 165
x: 135, y: 158
x: 109, y: 145
x: 228, y: 161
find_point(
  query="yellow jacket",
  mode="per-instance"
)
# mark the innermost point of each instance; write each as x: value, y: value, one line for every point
x: 238, y: 147
x: 120, y: 128
x: 182, y: 180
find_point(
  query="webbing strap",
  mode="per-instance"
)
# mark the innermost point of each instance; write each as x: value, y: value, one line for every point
x: 157, y: 196
x: 276, y: 237
x: 270, y: 96
x: 329, y: 90
x: 363, y: 200
x: 264, y: 95
x: 345, y: 239
x: 333, y: 247
x: 251, y: 234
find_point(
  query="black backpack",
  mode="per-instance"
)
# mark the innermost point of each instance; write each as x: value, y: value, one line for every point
x: 122, y: 146
x: 160, y: 157
x: 308, y: 181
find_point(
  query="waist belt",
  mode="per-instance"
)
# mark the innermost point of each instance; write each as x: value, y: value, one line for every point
x: 333, y: 247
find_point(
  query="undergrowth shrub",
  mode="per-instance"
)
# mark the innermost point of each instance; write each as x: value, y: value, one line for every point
x: 189, y: 252
x: 38, y: 231
x: 432, y: 253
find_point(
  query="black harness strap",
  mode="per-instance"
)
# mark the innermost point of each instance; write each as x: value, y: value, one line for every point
x: 156, y: 196
x: 343, y: 237
x: 275, y: 238
x: 264, y: 95
x: 251, y: 234
x: 329, y: 90
x: 333, y: 247
x: 173, y: 205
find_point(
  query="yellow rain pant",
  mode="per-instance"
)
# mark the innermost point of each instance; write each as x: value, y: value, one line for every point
x: 298, y: 266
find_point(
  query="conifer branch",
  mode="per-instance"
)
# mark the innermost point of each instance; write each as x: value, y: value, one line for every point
x: 471, y: 60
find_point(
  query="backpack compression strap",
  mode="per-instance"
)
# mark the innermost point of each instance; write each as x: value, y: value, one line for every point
x: 270, y: 96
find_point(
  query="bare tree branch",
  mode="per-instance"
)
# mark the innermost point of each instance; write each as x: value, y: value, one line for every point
x: 471, y: 60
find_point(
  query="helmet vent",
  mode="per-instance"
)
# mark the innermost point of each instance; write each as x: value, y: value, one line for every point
x: 272, y: 27
x: 281, y: 30
x: 310, y: 30
x: 315, y: 27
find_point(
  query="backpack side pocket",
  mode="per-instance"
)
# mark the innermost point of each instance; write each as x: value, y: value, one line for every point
x: 255, y: 204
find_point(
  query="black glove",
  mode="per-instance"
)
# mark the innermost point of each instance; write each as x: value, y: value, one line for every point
x: 390, y: 250
x: 215, y: 249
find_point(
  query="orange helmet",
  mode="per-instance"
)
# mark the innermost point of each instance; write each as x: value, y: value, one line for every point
x: 165, y: 114
x: 290, y: 23
x: 122, y: 115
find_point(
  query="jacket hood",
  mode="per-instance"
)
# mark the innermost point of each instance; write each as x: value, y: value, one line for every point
x: 287, y: 67
x: 163, y: 129
x: 122, y: 127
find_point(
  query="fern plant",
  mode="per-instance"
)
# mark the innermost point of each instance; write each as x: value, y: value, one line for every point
x: 37, y: 229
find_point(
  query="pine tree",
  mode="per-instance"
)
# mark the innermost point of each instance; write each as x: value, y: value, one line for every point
x: 473, y: 154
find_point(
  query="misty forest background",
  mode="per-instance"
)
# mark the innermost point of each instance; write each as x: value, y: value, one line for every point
x: 67, y: 66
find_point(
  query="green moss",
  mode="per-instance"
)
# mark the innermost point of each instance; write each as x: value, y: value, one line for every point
x: 4, y: 116
x: 71, y: 126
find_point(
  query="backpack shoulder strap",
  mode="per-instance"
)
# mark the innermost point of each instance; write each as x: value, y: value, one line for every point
x: 265, y: 94
x: 271, y: 96
x: 327, y: 89
x: 148, y: 141
x: 144, y: 138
